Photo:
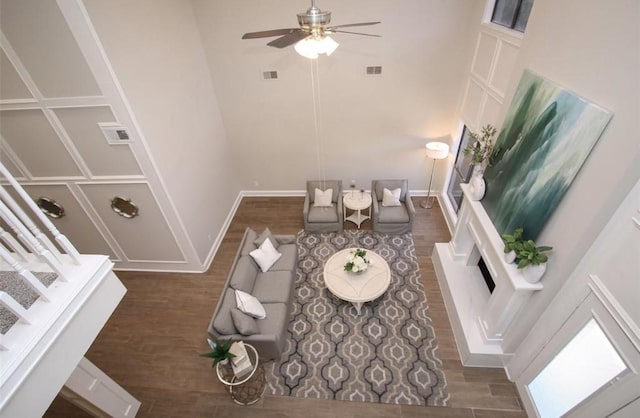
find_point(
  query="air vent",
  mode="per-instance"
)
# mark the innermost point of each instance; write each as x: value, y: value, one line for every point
x: 270, y: 75
x: 373, y: 70
x: 115, y: 133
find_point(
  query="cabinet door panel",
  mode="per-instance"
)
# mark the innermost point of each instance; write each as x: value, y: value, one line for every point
x: 146, y: 237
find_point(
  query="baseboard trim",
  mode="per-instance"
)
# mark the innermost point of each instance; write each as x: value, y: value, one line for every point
x: 272, y: 193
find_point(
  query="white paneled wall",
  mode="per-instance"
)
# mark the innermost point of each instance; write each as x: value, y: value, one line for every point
x: 56, y: 95
x: 491, y: 70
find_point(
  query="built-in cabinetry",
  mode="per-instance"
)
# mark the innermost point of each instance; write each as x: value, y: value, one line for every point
x: 68, y: 134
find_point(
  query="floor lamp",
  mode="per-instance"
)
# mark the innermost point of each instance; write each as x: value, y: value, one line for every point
x: 436, y: 151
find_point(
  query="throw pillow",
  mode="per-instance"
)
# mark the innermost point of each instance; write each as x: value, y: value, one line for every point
x: 245, y: 324
x: 391, y: 197
x: 322, y: 199
x: 250, y: 305
x: 266, y: 234
x: 266, y: 255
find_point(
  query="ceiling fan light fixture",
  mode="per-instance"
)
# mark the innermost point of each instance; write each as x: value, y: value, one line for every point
x: 310, y: 48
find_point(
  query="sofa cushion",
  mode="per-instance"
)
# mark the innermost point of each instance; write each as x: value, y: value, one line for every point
x: 244, y: 275
x: 322, y: 197
x: 273, y: 286
x: 266, y: 234
x: 247, y: 244
x: 250, y: 305
x: 391, y: 197
x: 266, y: 255
x: 245, y: 324
x: 322, y: 214
x: 223, y: 322
x: 289, y: 259
x: 394, y: 215
x: 380, y: 185
x: 277, y: 320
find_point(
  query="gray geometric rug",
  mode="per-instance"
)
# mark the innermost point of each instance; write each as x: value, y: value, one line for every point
x: 387, y: 354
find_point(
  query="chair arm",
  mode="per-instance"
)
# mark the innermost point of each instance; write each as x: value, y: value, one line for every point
x: 305, y: 208
x: 410, y: 208
x: 375, y: 212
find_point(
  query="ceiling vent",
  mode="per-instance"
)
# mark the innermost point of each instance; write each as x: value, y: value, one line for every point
x: 373, y: 70
x: 270, y: 75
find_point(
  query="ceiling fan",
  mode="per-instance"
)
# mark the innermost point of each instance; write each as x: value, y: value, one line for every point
x: 314, y: 26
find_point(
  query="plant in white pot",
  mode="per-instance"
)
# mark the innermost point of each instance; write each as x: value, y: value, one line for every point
x: 481, y: 151
x: 220, y: 352
x: 512, y: 244
x: 533, y: 260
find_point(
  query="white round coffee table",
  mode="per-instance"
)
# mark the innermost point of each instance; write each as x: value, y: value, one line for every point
x: 356, y: 201
x: 357, y: 288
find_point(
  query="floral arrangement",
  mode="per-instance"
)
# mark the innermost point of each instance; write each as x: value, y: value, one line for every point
x: 357, y: 261
x: 481, y: 147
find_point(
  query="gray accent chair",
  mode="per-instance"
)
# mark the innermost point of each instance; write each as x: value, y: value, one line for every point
x: 323, y: 219
x: 392, y: 219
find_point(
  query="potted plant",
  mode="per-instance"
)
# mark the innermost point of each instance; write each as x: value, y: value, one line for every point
x: 512, y: 244
x: 220, y: 352
x: 481, y: 151
x: 533, y: 260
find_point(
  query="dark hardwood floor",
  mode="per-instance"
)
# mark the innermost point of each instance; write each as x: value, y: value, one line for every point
x: 151, y: 344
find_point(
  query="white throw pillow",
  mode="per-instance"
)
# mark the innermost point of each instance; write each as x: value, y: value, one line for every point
x: 266, y: 255
x: 321, y: 198
x: 250, y: 305
x: 391, y: 197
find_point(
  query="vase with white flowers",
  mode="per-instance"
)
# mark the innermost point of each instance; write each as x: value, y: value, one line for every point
x: 357, y: 261
x: 481, y: 150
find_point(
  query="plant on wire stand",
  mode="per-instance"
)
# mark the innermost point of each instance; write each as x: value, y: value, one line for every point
x: 219, y: 351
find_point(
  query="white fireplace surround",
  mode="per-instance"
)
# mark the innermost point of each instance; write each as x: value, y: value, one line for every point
x: 479, y: 319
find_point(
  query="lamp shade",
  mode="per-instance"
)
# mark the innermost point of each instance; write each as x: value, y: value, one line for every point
x: 437, y: 150
x: 310, y: 48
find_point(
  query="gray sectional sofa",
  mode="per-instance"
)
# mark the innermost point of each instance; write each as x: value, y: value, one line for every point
x: 274, y: 290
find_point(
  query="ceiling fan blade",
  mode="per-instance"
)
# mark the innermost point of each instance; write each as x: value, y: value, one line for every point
x: 356, y: 33
x: 289, y: 39
x: 354, y: 24
x: 268, y: 33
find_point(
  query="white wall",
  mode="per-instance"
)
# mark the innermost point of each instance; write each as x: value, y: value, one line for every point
x: 594, y: 50
x: 372, y: 127
x: 157, y: 54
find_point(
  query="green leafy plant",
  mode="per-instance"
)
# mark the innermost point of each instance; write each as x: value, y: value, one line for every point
x: 219, y: 351
x: 530, y: 254
x: 481, y: 146
x: 513, y: 241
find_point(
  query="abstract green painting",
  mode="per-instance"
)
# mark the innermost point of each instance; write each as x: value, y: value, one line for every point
x: 547, y: 135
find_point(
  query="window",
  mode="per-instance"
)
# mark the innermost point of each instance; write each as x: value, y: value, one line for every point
x: 461, y: 173
x: 588, y: 362
x: 512, y: 14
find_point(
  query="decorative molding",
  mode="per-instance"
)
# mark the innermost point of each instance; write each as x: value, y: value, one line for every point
x: 223, y: 231
x: 618, y: 313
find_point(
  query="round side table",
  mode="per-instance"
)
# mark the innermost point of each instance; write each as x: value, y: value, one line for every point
x: 356, y: 201
x: 249, y: 388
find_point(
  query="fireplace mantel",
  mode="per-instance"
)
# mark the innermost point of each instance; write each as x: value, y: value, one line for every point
x: 479, y: 319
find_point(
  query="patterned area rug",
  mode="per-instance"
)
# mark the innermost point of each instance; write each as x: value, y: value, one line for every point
x: 387, y: 354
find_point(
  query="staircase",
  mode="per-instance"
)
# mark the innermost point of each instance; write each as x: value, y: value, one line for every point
x: 47, y: 325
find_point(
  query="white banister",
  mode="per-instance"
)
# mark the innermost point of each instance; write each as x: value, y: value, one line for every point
x: 25, y: 236
x: 24, y: 218
x: 60, y: 238
x: 28, y: 277
x: 14, y: 245
x: 14, y: 307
